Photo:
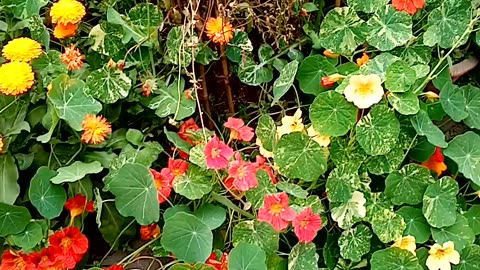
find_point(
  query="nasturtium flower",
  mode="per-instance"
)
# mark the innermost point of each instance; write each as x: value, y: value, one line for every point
x: 328, y: 81
x: 148, y: 232
x: 407, y: 243
x: 1, y: 144
x: 431, y: 96
x: 77, y: 205
x: 219, y: 30
x: 264, y: 152
x: 51, y: 258
x: 95, y: 129
x: 176, y: 167
x: 72, y: 58
x: 22, y: 49
x: 221, y: 264
x: 163, y: 184
x: 67, y: 12
x: 355, y: 207
x: 364, y: 90
x: 238, y: 130
x: 71, y: 242
x: 243, y: 174
x: 186, y: 128
x: 435, y: 162
x: 291, y: 124
x: 16, y: 78
x: 323, y: 141
x: 62, y: 31
x: 217, y: 154
x: 330, y: 54
x: 275, y: 211
x: 362, y: 60
x: 410, y: 6
x: 306, y: 225
x: 16, y: 261
x: 441, y: 256
x: 261, y: 164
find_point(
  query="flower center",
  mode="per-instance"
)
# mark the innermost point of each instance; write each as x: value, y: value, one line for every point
x: 176, y: 172
x: 303, y: 224
x: 157, y: 183
x: 215, y: 152
x: 276, y: 209
x: 364, y: 89
x: 241, y: 173
x: 19, y: 263
x: 66, y: 243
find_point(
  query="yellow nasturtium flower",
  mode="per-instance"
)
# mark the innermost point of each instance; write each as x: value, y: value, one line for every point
x: 407, y: 243
x: 291, y: 124
x: 440, y: 257
x: 364, y: 90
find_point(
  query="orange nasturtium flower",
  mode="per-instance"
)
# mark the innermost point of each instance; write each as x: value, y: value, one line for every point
x: 22, y: 49
x: 362, y: 60
x: 410, y: 6
x: 95, y: 129
x: 77, y: 205
x: 435, y: 162
x: 330, y: 54
x: 72, y: 58
x: 16, y: 78
x: 148, y: 232
x: 219, y: 30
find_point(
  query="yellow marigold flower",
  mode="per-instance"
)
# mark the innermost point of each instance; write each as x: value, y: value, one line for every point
x: 440, y: 257
x: 67, y: 11
x: 1, y: 144
x: 364, y: 90
x: 323, y: 141
x: 291, y: 124
x: 219, y: 30
x: 72, y: 58
x: 264, y: 152
x: 407, y: 243
x: 22, y: 49
x: 362, y: 60
x: 95, y: 129
x: 64, y: 31
x: 15, y: 78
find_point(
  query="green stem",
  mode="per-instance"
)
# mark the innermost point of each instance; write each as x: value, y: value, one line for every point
x: 116, y: 240
x: 10, y: 104
x: 225, y: 201
x: 136, y: 252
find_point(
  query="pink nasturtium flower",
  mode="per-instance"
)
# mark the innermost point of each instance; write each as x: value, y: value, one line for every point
x: 163, y: 184
x: 306, y: 225
x: 217, y: 154
x: 243, y: 174
x: 238, y: 130
x: 176, y: 167
x: 275, y: 211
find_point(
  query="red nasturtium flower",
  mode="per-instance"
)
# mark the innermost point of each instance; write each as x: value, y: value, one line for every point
x: 51, y: 258
x: 149, y: 231
x: 72, y: 243
x: 77, y: 205
x: 306, y: 225
x: 217, y: 265
x: 217, y: 154
x: 410, y: 6
x: 176, y: 167
x: 163, y: 185
x: 243, y: 174
x: 185, y: 128
x: 261, y: 163
x: 114, y: 267
x: 275, y: 211
x: 435, y: 162
x: 16, y: 261
x: 238, y: 130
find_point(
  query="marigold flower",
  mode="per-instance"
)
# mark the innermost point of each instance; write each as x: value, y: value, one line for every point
x: 71, y: 242
x: 72, y: 58
x: 176, y: 167
x: 22, y: 49
x: 440, y: 257
x: 62, y: 31
x: 238, y: 130
x: 148, y: 232
x: 67, y: 11
x: 323, y: 141
x: 407, y: 243
x: 185, y: 128
x: 243, y: 174
x: 410, y: 6
x: 364, y: 90
x: 77, y: 205
x: 330, y: 54
x: 264, y: 152
x: 291, y: 124
x: 95, y: 129
x: 16, y: 78
x: 16, y: 261
x: 362, y: 60
x: 217, y: 265
x: 114, y: 267
x: 219, y: 30
x: 217, y: 154
x: 163, y: 184
x: 435, y: 162
x: 275, y: 211
x: 306, y: 225
x: 1, y: 144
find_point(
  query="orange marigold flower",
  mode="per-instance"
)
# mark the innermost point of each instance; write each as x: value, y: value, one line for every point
x: 16, y: 78
x: 67, y: 11
x: 219, y: 30
x: 148, y: 232
x: 72, y: 58
x: 77, y: 205
x: 22, y: 49
x: 410, y: 6
x: 362, y: 60
x: 95, y: 129
x: 62, y: 31
x: 435, y: 162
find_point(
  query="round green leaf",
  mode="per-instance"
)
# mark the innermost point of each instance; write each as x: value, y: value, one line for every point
x: 472, y: 106
x: 400, y: 77
x: 256, y: 233
x: 30, y: 237
x: 378, y: 131
x: 24, y: 9
x: 252, y: 74
x: 177, y: 51
x: 355, y: 242
x: 416, y: 223
x: 135, y: 193
x: 70, y: 102
x: 342, y: 31
x: 76, y: 171
x: 386, y: 163
x: 424, y: 126
x: 146, y: 15
x: 264, y: 187
x: 389, y: 28
x: 342, y: 182
x: 404, y: 103
x: 386, y: 224
x: 9, y: 189
x: 440, y: 203
x: 459, y: 233
x: 45, y: 196
x: 171, y: 211
x: 13, y: 218
x: 408, y: 184
x: 379, y: 65
x: 473, y: 216
x: 465, y: 151
x: 292, y: 189
x: 343, y: 151
x: 295, y: 152
x: 469, y: 258
x: 172, y: 100
x: 453, y: 102
x: 332, y: 115
x: 368, y: 6
x: 238, y: 46
x: 311, y: 71
x: 212, y: 215
x: 266, y: 131
x: 247, y: 257
x: 187, y: 237
x: 303, y: 257
x: 108, y: 85
x: 284, y: 81
x: 193, y: 184
x: 394, y: 259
